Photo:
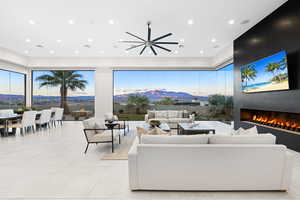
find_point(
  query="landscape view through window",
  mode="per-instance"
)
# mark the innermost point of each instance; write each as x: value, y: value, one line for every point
x: 12, y: 90
x: 207, y: 94
x: 72, y: 90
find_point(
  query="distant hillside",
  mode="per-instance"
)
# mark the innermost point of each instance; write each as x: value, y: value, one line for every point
x: 157, y: 95
x: 10, y: 96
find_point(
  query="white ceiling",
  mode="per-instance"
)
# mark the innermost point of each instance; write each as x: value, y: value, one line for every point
x: 91, y: 20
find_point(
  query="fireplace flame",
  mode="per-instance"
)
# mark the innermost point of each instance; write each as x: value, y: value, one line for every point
x: 276, y: 122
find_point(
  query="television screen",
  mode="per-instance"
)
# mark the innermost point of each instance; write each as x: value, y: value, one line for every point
x: 267, y: 74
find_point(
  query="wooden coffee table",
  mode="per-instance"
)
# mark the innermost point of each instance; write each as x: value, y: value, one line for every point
x: 192, y: 129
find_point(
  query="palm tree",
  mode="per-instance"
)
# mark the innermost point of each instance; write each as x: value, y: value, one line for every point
x: 139, y: 102
x: 248, y: 73
x: 65, y: 80
x: 272, y: 67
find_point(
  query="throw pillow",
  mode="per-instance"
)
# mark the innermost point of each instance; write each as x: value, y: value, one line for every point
x: 151, y: 114
x: 237, y: 132
x: 161, y: 114
x: 251, y: 131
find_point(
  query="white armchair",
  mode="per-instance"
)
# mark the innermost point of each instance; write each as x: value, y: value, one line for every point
x: 96, y: 132
x: 44, y: 118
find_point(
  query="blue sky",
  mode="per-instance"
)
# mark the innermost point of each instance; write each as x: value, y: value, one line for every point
x: 54, y: 91
x: 262, y: 75
x: 194, y: 82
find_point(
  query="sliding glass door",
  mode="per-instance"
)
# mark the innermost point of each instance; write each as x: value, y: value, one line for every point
x: 12, y: 90
x: 73, y: 90
x: 206, y: 94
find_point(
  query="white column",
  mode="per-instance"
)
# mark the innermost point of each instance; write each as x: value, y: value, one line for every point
x: 103, y: 91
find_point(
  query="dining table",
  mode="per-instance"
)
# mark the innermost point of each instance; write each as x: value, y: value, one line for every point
x: 4, y: 120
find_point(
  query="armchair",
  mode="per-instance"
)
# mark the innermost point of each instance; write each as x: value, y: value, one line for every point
x: 98, y: 133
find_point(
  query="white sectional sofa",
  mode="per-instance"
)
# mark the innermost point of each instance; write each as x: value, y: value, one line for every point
x: 171, y: 117
x: 209, y: 163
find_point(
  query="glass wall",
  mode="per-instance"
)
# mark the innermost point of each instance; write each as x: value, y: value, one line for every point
x: 12, y: 90
x: 207, y: 94
x: 72, y: 90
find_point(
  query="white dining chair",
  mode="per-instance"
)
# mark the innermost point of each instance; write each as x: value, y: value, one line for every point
x: 27, y: 121
x: 44, y: 118
x: 58, y: 116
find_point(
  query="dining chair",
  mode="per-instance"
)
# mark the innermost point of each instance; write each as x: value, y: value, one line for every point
x: 27, y: 121
x: 44, y: 118
x: 58, y: 116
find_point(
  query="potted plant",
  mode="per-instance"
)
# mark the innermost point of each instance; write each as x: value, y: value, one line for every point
x: 154, y: 123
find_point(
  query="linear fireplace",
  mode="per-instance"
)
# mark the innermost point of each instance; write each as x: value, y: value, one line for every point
x: 289, y: 122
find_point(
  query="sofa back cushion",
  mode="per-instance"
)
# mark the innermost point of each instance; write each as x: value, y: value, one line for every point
x: 172, y: 114
x: 243, y: 139
x: 174, y: 139
x: 161, y: 114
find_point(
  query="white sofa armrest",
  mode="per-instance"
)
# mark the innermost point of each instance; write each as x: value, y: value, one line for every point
x: 287, y: 171
x: 146, y: 118
x: 132, y: 165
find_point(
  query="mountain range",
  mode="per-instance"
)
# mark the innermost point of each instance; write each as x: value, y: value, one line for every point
x: 157, y: 95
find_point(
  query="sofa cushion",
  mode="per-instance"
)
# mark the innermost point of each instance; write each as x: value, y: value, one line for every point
x: 172, y: 114
x: 179, y: 120
x: 174, y: 139
x: 161, y: 114
x: 249, y: 131
x: 243, y: 139
x: 185, y: 114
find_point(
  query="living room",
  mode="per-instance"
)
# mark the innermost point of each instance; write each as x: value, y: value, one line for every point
x: 135, y: 100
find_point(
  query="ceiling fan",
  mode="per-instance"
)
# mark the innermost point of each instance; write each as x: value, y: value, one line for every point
x: 151, y: 43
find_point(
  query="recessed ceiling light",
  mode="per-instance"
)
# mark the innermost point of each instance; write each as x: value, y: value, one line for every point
x: 121, y: 40
x: 58, y: 41
x: 32, y: 22
x: 71, y: 21
x: 176, y: 51
x: 26, y: 52
x: 90, y: 40
x: 181, y: 40
x: 51, y: 52
x: 27, y: 40
x: 126, y: 51
x: 201, y: 52
x: 231, y: 22
x: 190, y: 22
x: 213, y: 40
x: 111, y: 21
x: 76, y: 52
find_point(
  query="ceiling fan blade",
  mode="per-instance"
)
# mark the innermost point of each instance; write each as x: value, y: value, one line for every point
x: 162, y: 47
x: 136, y: 36
x: 149, y: 33
x: 143, y: 50
x: 135, y: 46
x: 131, y: 42
x: 161, y: 37
x: 153, y: 50
x: 166, y: 43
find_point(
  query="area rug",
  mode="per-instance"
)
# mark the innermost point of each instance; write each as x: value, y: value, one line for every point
x: 121, y: 150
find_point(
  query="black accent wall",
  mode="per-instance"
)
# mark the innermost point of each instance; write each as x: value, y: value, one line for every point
x: 278, y: 31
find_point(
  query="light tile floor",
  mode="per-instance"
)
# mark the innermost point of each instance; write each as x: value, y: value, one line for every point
x: 50, y: 164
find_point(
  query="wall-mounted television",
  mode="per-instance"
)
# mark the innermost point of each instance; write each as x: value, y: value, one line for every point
x: 267, y: 74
